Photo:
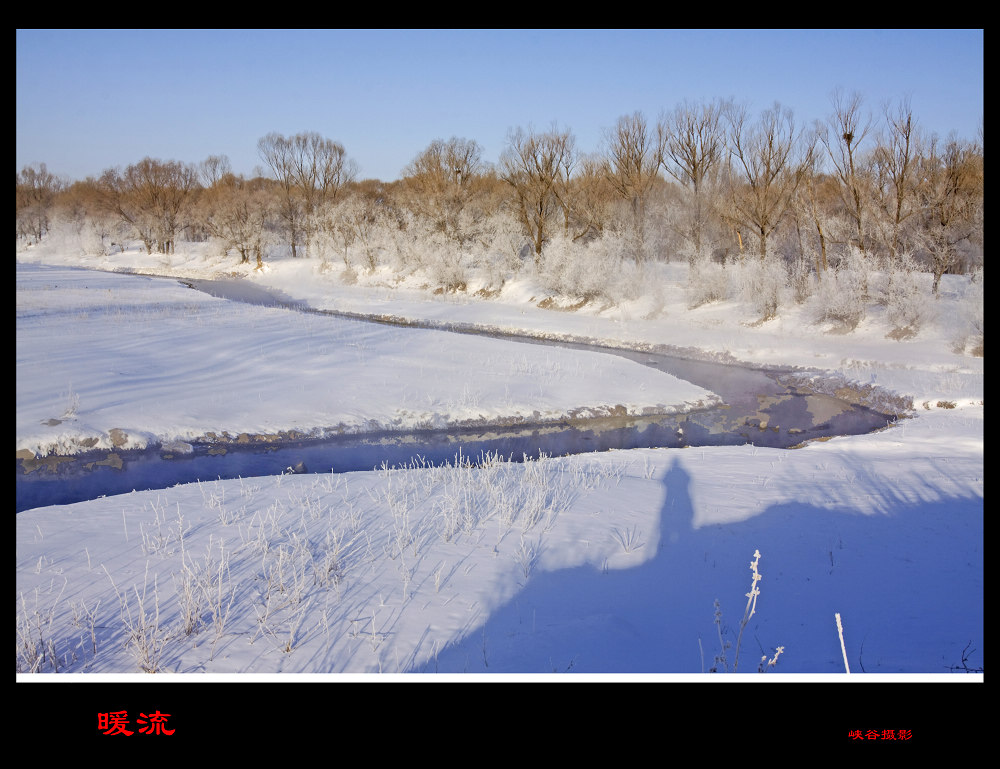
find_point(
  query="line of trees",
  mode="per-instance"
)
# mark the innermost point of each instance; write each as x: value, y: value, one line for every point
x: 708, y: 182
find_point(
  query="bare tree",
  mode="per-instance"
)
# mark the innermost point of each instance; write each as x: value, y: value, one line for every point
x: 843, y: 136
x: 814, y: 196
x: 213, y: 169
x: 537, y: 168
x: 312, y: 171
x: 692, y: 145
x: 632, y: 162
x: 321, y: 168
x: 151, y: 196
x: 441, y: 182
x: 590, y: 198
x: 236, y: 211
x: 894, y: 175
x: 951, y: 194
x: 765, y: 169
x: 35, y: 190
x: 87, y: 207
x: 276, y: 152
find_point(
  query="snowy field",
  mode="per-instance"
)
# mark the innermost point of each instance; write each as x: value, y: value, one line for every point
x: 596, y: 564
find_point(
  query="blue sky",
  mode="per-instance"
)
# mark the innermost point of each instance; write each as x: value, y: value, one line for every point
x: 88, y: 100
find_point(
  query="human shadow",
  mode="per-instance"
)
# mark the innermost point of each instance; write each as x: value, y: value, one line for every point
x: 609, y: 612
x: 659, y: 616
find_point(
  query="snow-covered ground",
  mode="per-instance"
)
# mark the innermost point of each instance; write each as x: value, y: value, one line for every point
x: 138, y: 360
x: 606, y: 563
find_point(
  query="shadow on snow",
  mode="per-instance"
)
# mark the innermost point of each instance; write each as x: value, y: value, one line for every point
x: 657, y: 617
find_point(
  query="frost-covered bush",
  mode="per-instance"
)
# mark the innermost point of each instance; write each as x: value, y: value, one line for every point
x: 972, y: 315
x: 447, y: 265
x: 411, y: 244
x: 62, y: 234
x: 402, y: 242
x: 761, y: 284
x: 610, y: 259
x: 908, y: 305
x: 357, y: 229
x: 560, y: 268
x: 630, y: 281
x: 497, y: 256
x: 842, y: 295
x: 802, y: 279
x: 595, y: 270
x: 328, y: 248
x: 334, y: 235
x: 707, y: 282
x: 95, y: 235
x: 67, y: 235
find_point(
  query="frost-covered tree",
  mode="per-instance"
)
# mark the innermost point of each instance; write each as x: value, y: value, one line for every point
x: 809, y: 203
x: 275, y: 150
x: 904, y: 296
x: 973, y: 314
x: 497, y: 254
x: 356, y: 222
x: 842, y: 297
x: 761, y: 284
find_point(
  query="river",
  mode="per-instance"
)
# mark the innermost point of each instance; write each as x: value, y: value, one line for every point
x: 760, y: 408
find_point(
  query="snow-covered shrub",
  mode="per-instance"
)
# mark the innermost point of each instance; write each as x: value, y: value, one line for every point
x: 410, y: 243
x: 842, y: 295
x: 761, y: 285
x: 63, y: 234
x: 972, y: 316
x: 975, y: 309
x: 334, y: 237
x: 443, y: 261
x: 355, y: 228
x: 329, y: 248
x: 497, y: 256
x: 402, y: 242
x: 631, y: 281
x: 590, y: 271
x: 618, y: 276
x: 707, y: 282
x: 907, y: 305
x: 801, y: 279
x: 94, y: 235
x: 559, y: 268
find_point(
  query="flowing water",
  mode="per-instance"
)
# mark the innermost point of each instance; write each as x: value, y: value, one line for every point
x: 758, y: 409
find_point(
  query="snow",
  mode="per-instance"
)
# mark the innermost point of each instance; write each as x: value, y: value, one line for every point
x: 595, y: 564
x: 120, y: 345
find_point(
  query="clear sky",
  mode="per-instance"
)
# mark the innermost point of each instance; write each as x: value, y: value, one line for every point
x: 88, y: 100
